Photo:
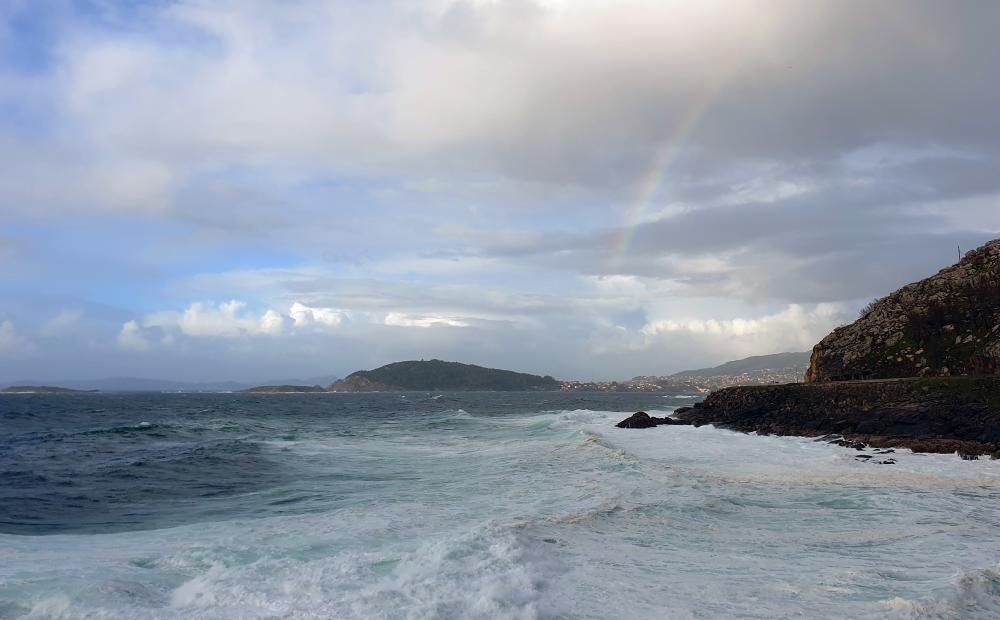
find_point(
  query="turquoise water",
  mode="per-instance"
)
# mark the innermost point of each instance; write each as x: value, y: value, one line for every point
x: 485, y: 505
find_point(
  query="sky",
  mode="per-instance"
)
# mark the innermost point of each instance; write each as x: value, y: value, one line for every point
x: 592, y: 189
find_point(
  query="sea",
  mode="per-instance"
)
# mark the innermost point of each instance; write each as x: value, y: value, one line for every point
x: 470, y: 505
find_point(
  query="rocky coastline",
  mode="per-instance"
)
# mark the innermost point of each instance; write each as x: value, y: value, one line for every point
x: 943, y: 415
x: 918, y: 369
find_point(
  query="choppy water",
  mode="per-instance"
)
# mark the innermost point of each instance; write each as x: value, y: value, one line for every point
x: 486, y: 505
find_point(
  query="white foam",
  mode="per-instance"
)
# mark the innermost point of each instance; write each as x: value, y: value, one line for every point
x: 557, y: 514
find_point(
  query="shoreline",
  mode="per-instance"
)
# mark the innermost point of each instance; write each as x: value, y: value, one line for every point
x: 939, y: 415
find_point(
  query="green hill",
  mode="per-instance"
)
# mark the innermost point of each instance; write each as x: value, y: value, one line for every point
x: 751, y: 364
x: 435, y: 375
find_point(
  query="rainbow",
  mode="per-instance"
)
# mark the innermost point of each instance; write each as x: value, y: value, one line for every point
x: 666, y: 155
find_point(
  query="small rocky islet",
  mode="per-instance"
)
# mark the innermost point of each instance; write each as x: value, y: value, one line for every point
x: 919, y: 369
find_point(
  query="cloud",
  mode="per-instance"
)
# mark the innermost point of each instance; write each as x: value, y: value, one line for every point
x: 131, y: 338
x: 13, y: 343
x: 596, y: 186
x: 64, y: 321
x: 795, y: 328
x: 400, y: 319
x: 225, y: 320
x: 590, y: 93
x: 303, y: 316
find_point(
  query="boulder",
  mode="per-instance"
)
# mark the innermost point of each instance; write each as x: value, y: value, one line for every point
x: 641, y: 419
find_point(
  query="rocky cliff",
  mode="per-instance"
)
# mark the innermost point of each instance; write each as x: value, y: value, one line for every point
x: 919, y: 369
x: 945, y: 325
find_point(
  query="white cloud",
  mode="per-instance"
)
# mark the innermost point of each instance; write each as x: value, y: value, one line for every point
x: 304, y: 315
x: 271, y: 323
x: 225, y: 320
x: 793, y: 329
x: 131, y: 338
x: 402, y: 319
x: 11, y: 341
x: 62, y: 322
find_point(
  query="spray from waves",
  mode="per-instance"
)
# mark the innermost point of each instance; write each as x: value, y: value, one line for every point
x: 973, y: 595
x: 490, y: 571
x: 450, y: 417
x: 532, y: 506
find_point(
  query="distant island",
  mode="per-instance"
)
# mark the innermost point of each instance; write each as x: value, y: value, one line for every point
x: 42, y: 389
x: 920, y: 368
x: 438, y: 375
x: 285, y: 389
x: 140, y: 384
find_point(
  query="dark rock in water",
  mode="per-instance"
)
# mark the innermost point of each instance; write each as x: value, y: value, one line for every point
x: 863, y: 456
x: 968, y: 456
x: 888, y: 462
x: 672, y: 422
x: 641, y: 419
x: 889, y: 451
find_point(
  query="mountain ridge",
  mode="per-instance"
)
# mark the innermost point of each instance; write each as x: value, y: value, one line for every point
x: 754, y: 363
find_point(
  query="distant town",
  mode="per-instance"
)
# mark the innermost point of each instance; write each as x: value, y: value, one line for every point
x: 688, y: 384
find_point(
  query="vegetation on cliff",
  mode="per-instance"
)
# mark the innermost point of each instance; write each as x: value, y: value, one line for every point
x: 945, y: 325
x: 441, y: 375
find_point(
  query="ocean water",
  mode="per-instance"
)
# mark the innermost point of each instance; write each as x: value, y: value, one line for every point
x: 482, y: 505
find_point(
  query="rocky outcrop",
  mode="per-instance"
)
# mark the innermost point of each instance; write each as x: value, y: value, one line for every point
x: 957, y: 414
x: 641, y: 419
x: 946, y: 325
